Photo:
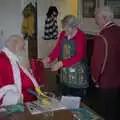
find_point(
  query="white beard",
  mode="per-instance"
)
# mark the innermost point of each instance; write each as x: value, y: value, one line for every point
x: 23, y: 60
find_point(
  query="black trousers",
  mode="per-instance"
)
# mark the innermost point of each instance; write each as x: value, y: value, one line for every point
x: 110, y: 99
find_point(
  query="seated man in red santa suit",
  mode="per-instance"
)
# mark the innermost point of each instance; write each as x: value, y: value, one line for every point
x: 15, y: 79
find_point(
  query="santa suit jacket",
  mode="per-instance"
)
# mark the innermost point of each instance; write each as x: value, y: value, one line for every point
x: 7, y: 78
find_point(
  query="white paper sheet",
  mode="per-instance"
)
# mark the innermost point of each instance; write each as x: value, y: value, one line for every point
x: 71, y: 102
x: 36, y: 108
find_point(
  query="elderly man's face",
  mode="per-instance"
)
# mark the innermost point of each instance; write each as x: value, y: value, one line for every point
x: 99, y: 19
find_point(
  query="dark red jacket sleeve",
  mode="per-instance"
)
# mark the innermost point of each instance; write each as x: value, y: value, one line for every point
x: 80, y: 42
x: 97, y: 57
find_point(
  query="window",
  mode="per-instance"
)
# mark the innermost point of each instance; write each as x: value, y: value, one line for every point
x: 115, y: 6
x: 88, y: 8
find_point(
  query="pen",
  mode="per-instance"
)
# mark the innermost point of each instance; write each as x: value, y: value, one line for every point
x: 32, y: 92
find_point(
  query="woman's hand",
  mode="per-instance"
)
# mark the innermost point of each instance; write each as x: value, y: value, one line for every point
x: 57, y: 66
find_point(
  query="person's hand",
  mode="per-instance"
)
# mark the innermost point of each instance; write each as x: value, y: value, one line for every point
x: 57, y: 66
x: 95, y: 83
x: 45, y: 61
x: 97, y: 86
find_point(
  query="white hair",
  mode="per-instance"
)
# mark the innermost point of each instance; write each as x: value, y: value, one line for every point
x: 105, y: 11
x: 11, y: 39
x: 70, y: 21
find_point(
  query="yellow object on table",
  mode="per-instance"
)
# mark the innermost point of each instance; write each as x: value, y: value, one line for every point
x: 39, y: 92
x: 43, y: 99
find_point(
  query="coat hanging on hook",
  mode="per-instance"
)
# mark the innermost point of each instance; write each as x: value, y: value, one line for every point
x: 28, y: 25
x: 51, y: 26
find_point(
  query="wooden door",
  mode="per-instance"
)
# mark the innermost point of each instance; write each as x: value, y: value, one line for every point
x: 32, y: 41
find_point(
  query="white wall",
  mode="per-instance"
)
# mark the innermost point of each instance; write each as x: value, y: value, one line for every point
x: 10, y: 17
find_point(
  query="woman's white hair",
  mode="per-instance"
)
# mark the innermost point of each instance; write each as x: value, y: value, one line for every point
x: 105, y: 11
x: 70, y: 21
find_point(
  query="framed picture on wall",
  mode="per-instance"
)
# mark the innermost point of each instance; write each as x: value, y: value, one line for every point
x: 88, y: 8
x: 115, y: 6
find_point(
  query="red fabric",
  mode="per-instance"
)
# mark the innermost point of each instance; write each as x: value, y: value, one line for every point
x: 97, y: 58
x: 110, y: 78
x: 38, y: 71
x: 80, y: 43
x: 6, y: 77
x: 56, y: 51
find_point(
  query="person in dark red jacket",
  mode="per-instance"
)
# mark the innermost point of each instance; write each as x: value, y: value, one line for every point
x: 71, y: 51
x: 106, y: 62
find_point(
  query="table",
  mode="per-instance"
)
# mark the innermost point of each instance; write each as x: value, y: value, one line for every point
x: 26, y: 115
x: 58, y: 115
